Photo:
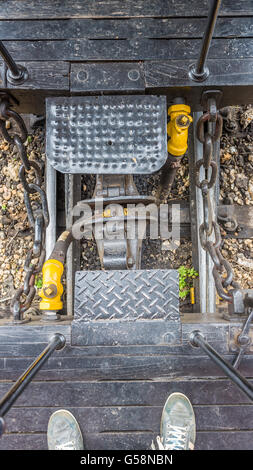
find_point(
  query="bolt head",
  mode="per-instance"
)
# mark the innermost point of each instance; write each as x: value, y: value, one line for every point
x: 50, y: 291
x: 183, y: 121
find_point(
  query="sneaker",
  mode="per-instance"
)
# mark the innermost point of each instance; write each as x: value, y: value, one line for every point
x: 63, y: 432
x: 178, y: 428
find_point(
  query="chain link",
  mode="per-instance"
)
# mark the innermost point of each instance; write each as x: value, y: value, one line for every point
x: 37, y: 209
x: 209, y: 130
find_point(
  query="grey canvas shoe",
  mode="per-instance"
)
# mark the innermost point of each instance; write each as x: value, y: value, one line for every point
x: 63, y: 432
x: 178, y: 428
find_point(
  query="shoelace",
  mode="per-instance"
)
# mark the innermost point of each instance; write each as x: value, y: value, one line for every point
x: 66, y: 446
x: 175, y: 439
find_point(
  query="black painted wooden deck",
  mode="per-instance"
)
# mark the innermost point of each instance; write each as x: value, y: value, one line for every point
x: 117, y: 394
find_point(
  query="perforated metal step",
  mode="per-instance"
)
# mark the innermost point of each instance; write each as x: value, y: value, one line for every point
x: 129, y: 307
x: 107, y: 134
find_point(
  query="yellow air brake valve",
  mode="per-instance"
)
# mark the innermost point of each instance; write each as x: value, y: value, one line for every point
x: 177, y: 128
x: 52, y: 289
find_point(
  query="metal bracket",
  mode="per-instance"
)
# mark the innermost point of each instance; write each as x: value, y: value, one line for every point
x: 211, y: 95
x: 237, y: 309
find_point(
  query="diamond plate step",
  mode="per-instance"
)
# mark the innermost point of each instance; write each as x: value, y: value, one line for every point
x: 107, y: 134
x: 129, y: 307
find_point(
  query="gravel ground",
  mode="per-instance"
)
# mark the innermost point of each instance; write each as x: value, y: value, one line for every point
x: 236, y: 187
x: 15, y: 234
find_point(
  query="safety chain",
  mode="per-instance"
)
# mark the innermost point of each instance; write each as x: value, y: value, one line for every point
x: 37, y: 210
x: 209, y: 130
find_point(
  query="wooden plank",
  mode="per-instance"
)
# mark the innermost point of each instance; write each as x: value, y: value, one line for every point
x: 230, y: 418
x: 43, y: 76
x: 31, y: 350
x: 162, y: 77
x: 125, y: 368
x: 232, y: 77
x: 108, y: 441
x: 240, y: 440
x: 89, y: 9
x: 127, y: 372
x: 160, y: 74
x: 20, y: 349
x: 20, y: 345
x: 211, y: 391
x: 206, y: 441
x: 92, y: 420
x: 46, y: 76
x: 113, y: 76
x: 122, y: 28
x: 127, y: 49
x: 24, y: 336
x: 128, y: 418
x: 29, y: 340
x: 23, y: 442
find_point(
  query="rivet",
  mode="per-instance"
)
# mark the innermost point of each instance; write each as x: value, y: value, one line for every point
x: 133, y: 75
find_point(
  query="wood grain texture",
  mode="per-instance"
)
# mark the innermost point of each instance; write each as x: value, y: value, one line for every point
x: 46, y: 76
x: 123, y: 413
x: 126, y: 418
x: 240, y: 440
x: 28, y: 341
x: 112, y: 76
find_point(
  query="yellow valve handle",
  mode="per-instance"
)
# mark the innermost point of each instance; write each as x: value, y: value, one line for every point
x: 177, y: 128
x: 52, y: 288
